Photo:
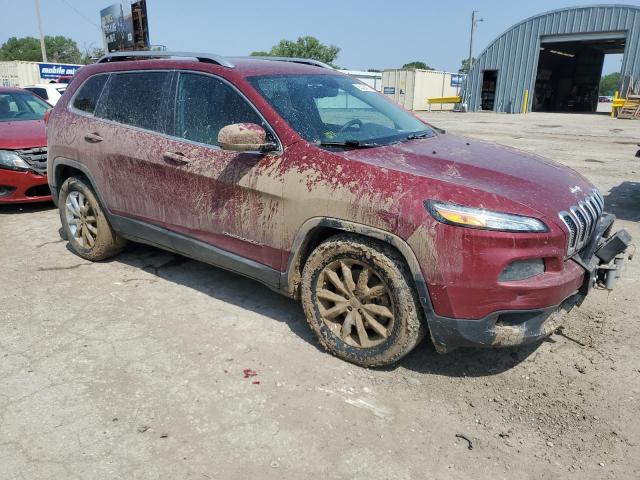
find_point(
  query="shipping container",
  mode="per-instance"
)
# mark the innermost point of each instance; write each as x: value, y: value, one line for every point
x: 18, y: 73
x: 412, y: 88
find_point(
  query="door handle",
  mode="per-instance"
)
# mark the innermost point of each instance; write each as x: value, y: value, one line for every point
x: 176, y: 157
x: 92, y: 137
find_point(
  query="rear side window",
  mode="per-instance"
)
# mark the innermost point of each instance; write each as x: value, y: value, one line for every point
x: 41, y: 92
x: 87, y: 97
x: 135, y: 99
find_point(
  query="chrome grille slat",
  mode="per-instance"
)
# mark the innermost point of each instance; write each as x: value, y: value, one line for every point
x: 593, y: 214
x: 36, y: 157
x: 594, y: 207
x: 581, y: 221
x: 590, y: 220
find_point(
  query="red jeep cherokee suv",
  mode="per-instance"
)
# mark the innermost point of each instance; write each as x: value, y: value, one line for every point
x: 314, y: 184
x: 23, y: 147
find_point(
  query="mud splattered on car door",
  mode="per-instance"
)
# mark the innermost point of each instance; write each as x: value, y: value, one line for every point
x: 226, y: 198
x: 130, y: 131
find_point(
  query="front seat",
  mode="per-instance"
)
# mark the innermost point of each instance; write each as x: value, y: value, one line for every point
x: 5, y: 108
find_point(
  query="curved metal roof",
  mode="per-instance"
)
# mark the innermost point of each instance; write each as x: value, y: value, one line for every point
x: 514, y: 53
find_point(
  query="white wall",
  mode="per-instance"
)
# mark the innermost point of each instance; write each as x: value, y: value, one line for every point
x: 411, y: 88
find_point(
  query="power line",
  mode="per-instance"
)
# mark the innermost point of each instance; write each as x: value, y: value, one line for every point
x: 81, y: 14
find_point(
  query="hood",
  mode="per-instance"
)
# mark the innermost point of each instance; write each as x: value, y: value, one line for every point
x: 22, y: 134
x: 482, y: 174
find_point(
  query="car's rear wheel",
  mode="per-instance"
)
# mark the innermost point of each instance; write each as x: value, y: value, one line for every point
x: 359, y: 301
x: 84, y: 223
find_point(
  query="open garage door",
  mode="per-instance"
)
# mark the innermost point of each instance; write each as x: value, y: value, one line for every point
x: 569, y: 71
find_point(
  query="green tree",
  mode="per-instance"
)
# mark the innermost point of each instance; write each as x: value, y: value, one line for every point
x: 417, y: 65
x: 27, y: 48
x: 464, y: 65
x: 609, y: 83
x: 62, y: 49
x: 90, y: 55
x: 59, y: 49
x: 303, y: 47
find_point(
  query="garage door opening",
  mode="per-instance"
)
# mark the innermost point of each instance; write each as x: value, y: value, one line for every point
x: 569, y: 72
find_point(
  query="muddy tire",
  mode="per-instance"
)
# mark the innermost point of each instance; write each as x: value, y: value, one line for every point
x: 84, y: 224
x: 360, y: 302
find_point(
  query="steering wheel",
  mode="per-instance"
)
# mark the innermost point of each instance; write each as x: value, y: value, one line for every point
x: 349, y: 124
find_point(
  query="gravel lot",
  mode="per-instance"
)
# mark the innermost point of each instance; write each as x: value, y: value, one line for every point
x: 133, y: 368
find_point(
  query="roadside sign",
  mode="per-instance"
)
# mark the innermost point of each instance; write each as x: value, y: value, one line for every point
x: 389, y: 90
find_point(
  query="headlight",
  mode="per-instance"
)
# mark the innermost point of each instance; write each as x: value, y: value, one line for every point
x: 484, y: 219
x: 12, y: 161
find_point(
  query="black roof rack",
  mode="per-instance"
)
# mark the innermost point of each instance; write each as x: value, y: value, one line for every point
x: 305, y: 61
x: 142, y: 54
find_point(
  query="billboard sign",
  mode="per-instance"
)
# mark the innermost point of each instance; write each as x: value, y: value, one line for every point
x: 124, y: 26
x: 389, y: 90
x: 55, y: 70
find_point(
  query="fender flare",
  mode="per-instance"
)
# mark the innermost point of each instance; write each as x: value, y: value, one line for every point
x: 67, y: 162
x: 290, y: 279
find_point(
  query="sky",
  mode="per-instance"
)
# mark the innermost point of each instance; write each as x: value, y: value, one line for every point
x: 373, y: 34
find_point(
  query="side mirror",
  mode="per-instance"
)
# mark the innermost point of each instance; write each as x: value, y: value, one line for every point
x: 245, y: 137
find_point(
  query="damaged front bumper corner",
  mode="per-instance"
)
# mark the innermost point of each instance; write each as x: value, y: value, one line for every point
x: 602, y: 259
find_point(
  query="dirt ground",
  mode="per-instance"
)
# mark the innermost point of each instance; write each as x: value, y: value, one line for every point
x: 133, y: 368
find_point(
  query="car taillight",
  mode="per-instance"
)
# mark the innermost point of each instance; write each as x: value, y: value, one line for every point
x: 46, y: 116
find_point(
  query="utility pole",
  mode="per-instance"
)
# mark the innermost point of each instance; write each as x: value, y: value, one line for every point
x: 42, y: 47
x: 474, y: 23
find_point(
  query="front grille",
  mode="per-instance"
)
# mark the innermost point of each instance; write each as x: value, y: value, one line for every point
x: 581, y: 220
x: 36, y: 157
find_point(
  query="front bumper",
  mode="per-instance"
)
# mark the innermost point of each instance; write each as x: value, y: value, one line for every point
x: 23, y: 187
x: 524, y: 326
x: 501, y: 329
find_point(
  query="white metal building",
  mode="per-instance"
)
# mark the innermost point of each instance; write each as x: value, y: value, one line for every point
x: 411, y: 88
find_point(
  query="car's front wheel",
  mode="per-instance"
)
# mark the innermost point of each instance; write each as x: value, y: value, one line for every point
x: 84, y: 223
x: 359, y: 301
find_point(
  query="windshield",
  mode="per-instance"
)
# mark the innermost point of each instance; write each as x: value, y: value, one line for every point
x: 336, y: 110
x: 16, y: 106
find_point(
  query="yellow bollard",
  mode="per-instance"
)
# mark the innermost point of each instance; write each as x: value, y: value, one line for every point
x: 613, y: 109
x: 525, y: 101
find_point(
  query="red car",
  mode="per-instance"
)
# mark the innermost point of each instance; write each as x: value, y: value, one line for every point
x: 311, y: 182
x: 23, y: 147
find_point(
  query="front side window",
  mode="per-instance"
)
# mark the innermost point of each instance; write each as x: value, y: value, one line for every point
x: 337, y: 110
x: 87, y: 97
x: 135, y: 99
x: 204, y: 105
x: 16, y: 106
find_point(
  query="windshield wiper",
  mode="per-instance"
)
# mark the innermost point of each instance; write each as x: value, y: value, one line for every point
x: 416, y: 136
x: 349, y: 143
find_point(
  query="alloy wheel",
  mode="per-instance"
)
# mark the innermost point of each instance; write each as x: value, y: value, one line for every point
x: 81, y: 219
x: 355, y: 303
